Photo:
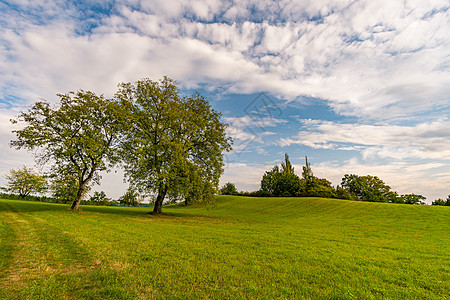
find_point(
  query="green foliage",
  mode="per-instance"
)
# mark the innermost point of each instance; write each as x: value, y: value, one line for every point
x: 99, y: 198
x: 79, y: 137
x: 65, y: 187
x: 130, y: 198
x: 307, y: 173
x: 318, y: 187
x: 442, y: 202
x: 368, y: 188
x: 281, y: 181
x: 284, y: 182
x: 25, y: 181
x: 174, y: 144
x: 228, y: 189
x: 412, y: 199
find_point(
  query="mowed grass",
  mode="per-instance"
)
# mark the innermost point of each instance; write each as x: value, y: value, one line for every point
x: 240, y: 248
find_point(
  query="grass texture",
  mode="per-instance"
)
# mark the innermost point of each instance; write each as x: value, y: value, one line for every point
x: 240, y: 248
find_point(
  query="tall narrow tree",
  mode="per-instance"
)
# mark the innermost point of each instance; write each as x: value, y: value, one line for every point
x: 77, y: 137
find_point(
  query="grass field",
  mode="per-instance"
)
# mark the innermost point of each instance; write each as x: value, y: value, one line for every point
x: 240, y: 248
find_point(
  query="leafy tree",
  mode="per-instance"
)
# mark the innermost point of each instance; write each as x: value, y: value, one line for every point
x: 342, y: 193
x: 64, y: 187
x: 130, y: 198
x: 78, y: 137
x: 318, y: 187
x: 25, y: 181
x: 174, y: 145
x: 442, y: 202
x: 368, y: 188
x: 268, y: 181
x: 307, y: 173
x: 228, y: 189
x: 413, y: 199
x: 99, y: 198
x: 281, y: 181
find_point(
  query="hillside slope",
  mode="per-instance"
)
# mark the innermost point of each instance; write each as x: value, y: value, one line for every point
x: 239, y: 248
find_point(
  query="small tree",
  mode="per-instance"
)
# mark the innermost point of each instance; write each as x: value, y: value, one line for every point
x: 25, y: 181
x: 442, y: 202
x: 78, y: 138
x: 99, y: 198
x: 413, y: 199
x: 130, y: 198
x: 281, y: 181
x: 228, y: 189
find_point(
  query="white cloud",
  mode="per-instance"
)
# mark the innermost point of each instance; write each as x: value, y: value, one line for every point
x: 372, y: 59
x: 425, y: 141
x: 246, y: 177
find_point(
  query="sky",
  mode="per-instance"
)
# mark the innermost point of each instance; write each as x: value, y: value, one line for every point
x: 359, y: 87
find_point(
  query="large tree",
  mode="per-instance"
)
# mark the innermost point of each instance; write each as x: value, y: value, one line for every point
x: 25, y: 181
x: 174, y: 145
x: 78, y: 137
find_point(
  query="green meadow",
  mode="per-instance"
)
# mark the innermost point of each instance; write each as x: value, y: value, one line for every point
x: 239, y: 248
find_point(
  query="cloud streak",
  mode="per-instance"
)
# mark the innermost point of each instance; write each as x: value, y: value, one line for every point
x: 423, y: 141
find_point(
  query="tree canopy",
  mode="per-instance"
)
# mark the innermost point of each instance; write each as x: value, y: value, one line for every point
x: 78, y: 137
x: 282, y: 181
x: 228, y: 189
x: 24, y: 181
x: 368, y: 188
x: 174, y: 145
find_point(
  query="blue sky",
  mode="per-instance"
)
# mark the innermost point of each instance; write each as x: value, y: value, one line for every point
x: 357, y: 86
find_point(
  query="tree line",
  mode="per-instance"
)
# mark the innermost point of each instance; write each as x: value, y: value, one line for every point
x: 281, y: 181
x: 168, y: 144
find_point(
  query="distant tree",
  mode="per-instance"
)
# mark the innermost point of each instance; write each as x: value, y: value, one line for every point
x: 313, y: 186
x: 64, y: 187
x: 171, y: 141
x: 307, y: 173
x: 268, y: 181
x: 413, y: 199
x: 78, y: 137
x: 342, y: 193
x: 368, y: 188
x: 99, y: 198
x: 286, y: 166
x: 25, y: 181
x: 442, y: 202
x: 281, y: 181
x: 130, y: 198
x: 228, y: 189
x: 318, y: 187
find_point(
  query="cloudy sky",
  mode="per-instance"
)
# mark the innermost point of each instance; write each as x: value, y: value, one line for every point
x: 358, y: 86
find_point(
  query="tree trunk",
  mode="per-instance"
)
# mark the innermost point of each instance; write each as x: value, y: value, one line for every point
x: 159, y: 199
x: 80, y: 193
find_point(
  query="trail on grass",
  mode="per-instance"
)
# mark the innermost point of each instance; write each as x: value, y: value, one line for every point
x: 37, y: 253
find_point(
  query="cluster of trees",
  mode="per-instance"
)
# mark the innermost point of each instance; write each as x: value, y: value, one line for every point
x: 281, y: 181
x: 442, y: 201
x: 168, y: 144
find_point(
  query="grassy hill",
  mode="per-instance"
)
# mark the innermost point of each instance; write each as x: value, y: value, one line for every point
x: 239, y: 248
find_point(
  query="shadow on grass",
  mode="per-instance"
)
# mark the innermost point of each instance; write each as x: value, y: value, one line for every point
x: 32, y: 206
